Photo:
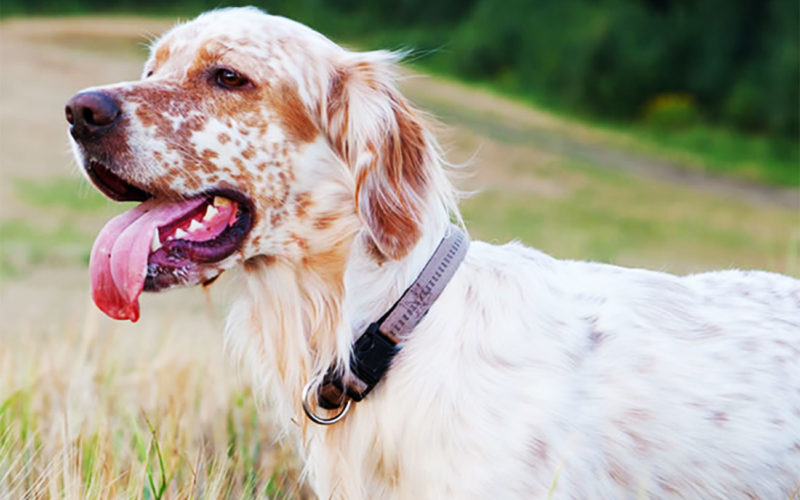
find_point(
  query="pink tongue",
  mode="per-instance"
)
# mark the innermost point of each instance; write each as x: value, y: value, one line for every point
x: 118, y: 263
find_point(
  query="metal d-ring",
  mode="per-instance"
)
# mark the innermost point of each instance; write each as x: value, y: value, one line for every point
x: 316, y: 418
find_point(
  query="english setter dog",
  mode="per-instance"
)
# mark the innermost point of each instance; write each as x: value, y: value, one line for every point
x: 251, y: 139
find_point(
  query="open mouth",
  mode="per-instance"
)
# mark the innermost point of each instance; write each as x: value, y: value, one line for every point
x: 160, y: 243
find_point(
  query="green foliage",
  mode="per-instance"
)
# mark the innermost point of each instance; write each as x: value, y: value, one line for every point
x: 671, y: 112
x: 738, y: 61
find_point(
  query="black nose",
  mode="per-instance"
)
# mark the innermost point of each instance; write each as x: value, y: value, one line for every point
x: 91, y: 114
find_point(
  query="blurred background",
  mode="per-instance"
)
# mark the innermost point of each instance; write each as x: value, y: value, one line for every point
x: 658, y: 133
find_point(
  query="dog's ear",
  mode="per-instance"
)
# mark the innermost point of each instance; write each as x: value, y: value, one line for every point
x: 382, y: 138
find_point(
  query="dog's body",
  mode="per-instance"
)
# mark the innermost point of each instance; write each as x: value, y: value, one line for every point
x: 528, y: 377
x: 531, y: 374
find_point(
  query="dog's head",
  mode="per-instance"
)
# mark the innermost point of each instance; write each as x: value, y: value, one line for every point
x: 247, y: 135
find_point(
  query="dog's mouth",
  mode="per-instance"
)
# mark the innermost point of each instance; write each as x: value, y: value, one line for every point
x: 161, y: 242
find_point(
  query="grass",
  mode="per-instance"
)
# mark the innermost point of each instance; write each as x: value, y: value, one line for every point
x: 724, y: 151
x: 67, y: 429
x: 61, y: 193
x: 26, y: 245
x: 53, y: 227
x: 611, y: 217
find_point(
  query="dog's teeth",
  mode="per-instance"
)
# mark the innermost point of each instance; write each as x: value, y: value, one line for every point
x: 156, y: 243
x: 195, y: 225
x: 211, y: 211
x: 180, y: 233
x: 219, y: 201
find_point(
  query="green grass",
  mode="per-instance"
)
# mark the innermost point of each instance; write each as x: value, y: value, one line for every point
x: 54, y: 228
x: 751, y: 157
x: 61, y: 193
x: 26, y: 245
x: 611, y: 217
x: 219, y: 449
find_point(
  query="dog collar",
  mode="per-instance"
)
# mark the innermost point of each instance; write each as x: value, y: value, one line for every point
x: 373, y: 352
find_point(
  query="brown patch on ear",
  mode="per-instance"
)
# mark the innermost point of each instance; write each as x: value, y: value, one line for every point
x: 391, y: 187
x: 396, y: 219
x: 293, y: 114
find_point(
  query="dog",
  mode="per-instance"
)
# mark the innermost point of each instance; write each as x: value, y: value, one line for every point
x: 253, y: 140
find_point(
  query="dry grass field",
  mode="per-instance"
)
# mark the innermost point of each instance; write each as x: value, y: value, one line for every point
x: 91, y: 408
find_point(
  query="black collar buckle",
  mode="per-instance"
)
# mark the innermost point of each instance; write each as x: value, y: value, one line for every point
x: 372, y: 354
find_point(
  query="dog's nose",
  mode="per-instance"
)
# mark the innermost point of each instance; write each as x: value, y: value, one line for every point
x: 91, y: 114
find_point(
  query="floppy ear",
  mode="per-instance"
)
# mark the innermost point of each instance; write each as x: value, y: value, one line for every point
x: 381, y: 137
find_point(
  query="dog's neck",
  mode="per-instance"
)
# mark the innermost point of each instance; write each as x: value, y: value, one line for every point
x: 290, y: 325
x: 373, y: 284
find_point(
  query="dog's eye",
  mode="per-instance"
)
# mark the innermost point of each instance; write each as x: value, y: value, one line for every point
x: 149, y: 74
x: 230, y: 79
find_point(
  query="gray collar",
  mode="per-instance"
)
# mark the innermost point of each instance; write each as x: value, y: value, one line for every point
x: 373, y: 352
